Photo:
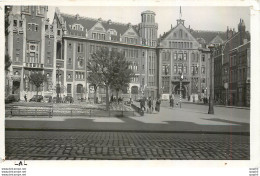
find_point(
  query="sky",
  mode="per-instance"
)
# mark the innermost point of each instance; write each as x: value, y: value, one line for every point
x: 199, y: 18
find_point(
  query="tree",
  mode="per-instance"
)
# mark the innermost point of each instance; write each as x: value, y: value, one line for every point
x: 104, y: 60
x: 94, y: 77
x: 121, y: 74
x: 8, y: 62
x: 37, y: 79
x: 7, y: 13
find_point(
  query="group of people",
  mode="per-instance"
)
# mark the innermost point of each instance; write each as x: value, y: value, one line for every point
x: 152, y: 105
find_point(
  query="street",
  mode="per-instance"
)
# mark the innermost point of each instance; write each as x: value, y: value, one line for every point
x: 62, y: 145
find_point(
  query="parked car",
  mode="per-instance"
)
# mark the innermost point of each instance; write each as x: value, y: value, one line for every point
x: 36, y: 98
x: 12, y: 98
x: 47, y: 99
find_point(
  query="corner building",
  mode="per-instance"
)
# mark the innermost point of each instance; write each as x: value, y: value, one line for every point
x: 61, y: 50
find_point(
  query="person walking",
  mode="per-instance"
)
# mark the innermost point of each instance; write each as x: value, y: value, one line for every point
x: 142, y: 104
x: 25, y: 97
x: 157, y: 106
x: 150, y: 105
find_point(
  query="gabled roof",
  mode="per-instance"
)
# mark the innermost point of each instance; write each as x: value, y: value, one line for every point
x: 208, y: 36
x: 88, y: 23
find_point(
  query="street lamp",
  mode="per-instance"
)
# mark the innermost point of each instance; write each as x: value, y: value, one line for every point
x: 211, y: 102
x: 181, y: 78
x: 58, y: 85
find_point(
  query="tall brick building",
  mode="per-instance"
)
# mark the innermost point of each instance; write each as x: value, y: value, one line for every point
x: 61, y: 50
x: 232, y: 66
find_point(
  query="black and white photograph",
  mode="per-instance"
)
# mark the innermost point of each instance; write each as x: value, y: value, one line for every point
x: 127, y: 83
x: 124, y: 84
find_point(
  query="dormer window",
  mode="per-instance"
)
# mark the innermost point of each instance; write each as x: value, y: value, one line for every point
x: 112, y: 32
x: 77, y: 27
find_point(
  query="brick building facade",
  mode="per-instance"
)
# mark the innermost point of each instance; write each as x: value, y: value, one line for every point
x: 62, y: 48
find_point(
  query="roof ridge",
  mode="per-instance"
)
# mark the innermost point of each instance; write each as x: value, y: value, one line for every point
x: 208, y: 31
x: 96, y: 19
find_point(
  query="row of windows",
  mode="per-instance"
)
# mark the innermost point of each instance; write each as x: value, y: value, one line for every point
x: 180, y: 45
x: 134, y: 66
x: 79, y: 88
x: 148, y: 18
x: 16, y: 22
x: 135, y: 79
x: 80, y: 75
x: 130, y: 40
x: 131, y: 53
x: 238, y: 75
x: 98, y: 36
x: 33, y: 27
x: 181, y: 69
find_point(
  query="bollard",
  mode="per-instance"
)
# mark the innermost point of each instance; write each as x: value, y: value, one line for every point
x: 11, y: 111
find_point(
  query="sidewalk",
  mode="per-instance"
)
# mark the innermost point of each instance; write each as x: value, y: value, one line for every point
x: 168, y: 120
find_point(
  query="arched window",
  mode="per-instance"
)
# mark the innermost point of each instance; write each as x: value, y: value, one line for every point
x: 79, y: 88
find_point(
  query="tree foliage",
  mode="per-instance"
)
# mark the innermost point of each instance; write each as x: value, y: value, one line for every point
x: 109, y: 68
x: 121, y: 73
x: 37, y: 79
x: 8, y: 62
x: 7, y: 12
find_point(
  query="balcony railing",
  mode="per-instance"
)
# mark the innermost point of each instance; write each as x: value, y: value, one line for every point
x: 33, y: 65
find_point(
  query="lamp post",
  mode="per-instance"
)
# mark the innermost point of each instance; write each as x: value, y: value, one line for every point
x: 58, y: 85
x: 211, y: 102
x: 181, y: 78
x: 226, y: 87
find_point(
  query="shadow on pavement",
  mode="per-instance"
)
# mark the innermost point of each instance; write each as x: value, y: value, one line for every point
x: 125, y: 124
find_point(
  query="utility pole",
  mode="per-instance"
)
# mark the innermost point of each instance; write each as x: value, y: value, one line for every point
x: 181, y: 78
x: 58, y: 85
x: 211, y: 101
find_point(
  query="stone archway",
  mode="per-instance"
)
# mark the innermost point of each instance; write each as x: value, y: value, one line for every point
x: 183, y: 90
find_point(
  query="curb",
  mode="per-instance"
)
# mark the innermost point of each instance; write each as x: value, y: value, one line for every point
x: 130, y: 131
x: 236, y: 107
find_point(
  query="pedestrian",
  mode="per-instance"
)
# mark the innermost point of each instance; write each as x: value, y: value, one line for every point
x: 25, y: 97
x: 157, y: 106
x: 150, y: 105
x: 170, y: 100
x: 142, y: 104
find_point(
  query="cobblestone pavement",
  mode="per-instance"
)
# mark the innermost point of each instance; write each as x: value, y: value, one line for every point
x: 56, y: 145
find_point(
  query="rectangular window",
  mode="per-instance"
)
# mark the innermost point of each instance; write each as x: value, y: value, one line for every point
x: 175, y: 56
x: 80, y: 48
x: 185, y: 56
x: 185, y: 69
x: 36, y: 27
x: 29, y: 26
x: 203, y: 58
x: 180, y: 56
x: 68, y: 88
x: 15, y: 23
x: 175, y: 69
x: 20, y: 23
